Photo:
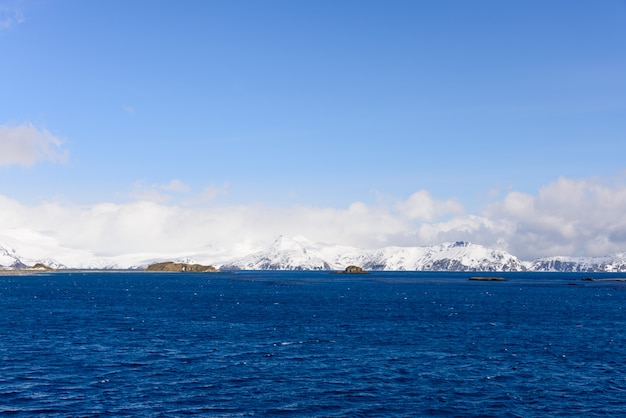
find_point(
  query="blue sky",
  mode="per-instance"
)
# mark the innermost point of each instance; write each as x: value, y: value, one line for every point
x: 209, y: 105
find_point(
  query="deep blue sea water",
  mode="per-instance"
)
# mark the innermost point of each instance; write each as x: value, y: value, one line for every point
x: 311, y: 344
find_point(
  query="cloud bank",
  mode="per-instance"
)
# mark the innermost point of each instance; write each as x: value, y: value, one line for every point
x: 566, y: 217
x: 26, y: 145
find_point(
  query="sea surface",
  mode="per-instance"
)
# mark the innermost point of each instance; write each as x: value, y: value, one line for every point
x: 312, y: 344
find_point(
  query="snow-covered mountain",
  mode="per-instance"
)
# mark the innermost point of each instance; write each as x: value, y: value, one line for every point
x: 9, y: 258
x: 289, y: 254
x: 283, y: 254
x: 302, y: 254
x: 23, y: 253
x: 457, y: 256
x: 611, y: 264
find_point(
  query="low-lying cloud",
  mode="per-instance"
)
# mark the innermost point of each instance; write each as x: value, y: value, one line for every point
x: 26, y: 145
x: 566, y: 217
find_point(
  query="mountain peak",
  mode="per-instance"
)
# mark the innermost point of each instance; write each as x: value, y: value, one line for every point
x: 460, y: 244
x: 283, y: 254
x: 283, y: 243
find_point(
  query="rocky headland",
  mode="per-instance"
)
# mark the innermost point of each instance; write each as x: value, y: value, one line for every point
x: 171, y: 266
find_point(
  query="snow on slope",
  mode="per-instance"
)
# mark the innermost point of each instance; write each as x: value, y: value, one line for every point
x: 32, y: 247
x: 9, y: 258
x: 612, y: 263
x: 300, y: 253
x: 283, y: 254
x: 17, y: 252
x: 457, y: 256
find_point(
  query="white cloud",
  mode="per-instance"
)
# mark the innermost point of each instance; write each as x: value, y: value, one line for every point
x: 175, y: 186
x: 160, y: 193
x: 149, y: 193
x: 26, y: 145
x: 566, y: 217
x: 10, y: 17
x: 421, y: 206
x: 211, y: 192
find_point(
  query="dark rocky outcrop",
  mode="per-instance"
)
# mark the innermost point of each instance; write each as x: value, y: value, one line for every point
x: 41, y: 266
x: 171, y: 266
x: 353, y: 270
x: 350, y: 270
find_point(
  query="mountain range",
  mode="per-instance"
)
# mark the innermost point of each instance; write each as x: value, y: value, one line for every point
x: 301, y: 254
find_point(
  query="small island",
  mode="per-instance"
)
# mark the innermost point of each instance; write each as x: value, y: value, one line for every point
x: 170, y: 266
x: 351, y: 270
x: 487, y: 279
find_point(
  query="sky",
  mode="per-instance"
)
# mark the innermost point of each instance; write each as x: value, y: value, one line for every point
x: 194, y: 126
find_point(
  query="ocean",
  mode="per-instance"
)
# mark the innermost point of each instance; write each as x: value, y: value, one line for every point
x: 312, y: 344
